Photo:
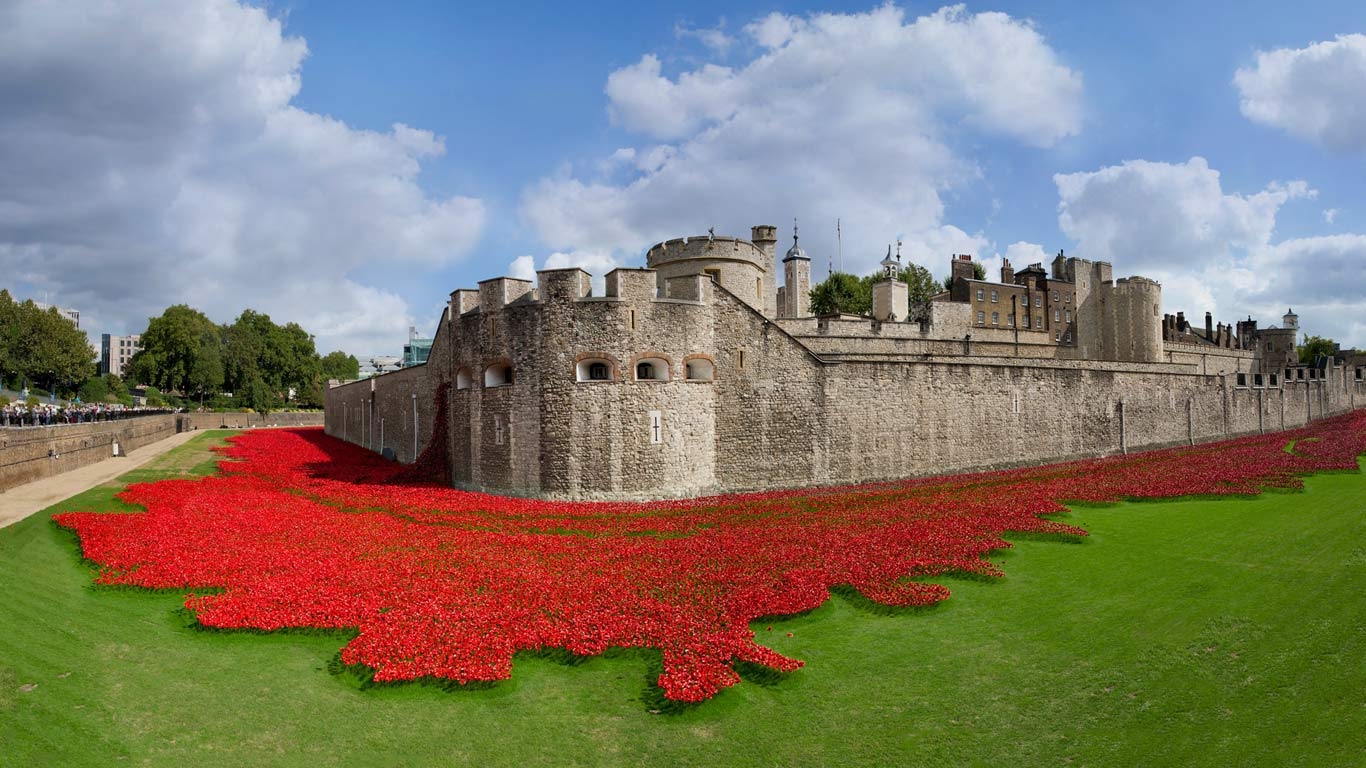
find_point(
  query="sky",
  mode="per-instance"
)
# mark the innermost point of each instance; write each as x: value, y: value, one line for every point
x: 346, y: 165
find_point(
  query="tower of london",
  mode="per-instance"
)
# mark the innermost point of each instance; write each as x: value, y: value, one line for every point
x: 700, y: 374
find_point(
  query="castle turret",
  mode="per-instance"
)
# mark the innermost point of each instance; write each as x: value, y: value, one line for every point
x: 796, y: 292
x: 742, y: 267
x: 1291, y: 320
x: 1132, y: 324
x: 891, y: 296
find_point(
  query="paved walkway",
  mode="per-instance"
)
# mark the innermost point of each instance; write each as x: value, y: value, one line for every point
x: 20, y: 502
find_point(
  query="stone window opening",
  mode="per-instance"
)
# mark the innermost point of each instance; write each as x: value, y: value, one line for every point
x: 633, y: 319
x: 1024, y: 300
x: 498, y: 375
x: 981, y: 294
x: 652, y: 369
x: 995, y: 318
x: 714, y: 274
x: 993, y: 297
x: 1242, y: 379
x: 464, y: 378
x: 741, y: 361
x: 594, y: 369
x: 698, y: 369
x: 1358, y: 374
x: 981, y: 318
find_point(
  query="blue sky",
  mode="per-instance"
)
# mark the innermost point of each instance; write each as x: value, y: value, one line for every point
x: 233, y: 156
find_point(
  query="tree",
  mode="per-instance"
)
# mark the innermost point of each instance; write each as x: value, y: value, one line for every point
x: 842, y: 292
x: 42, y: 346
x: 264, y: 362
x: 921, y: 283
x: 340, y: 366
x: 979, y: 272
x: 1315, y: 346
x: 181, y: 351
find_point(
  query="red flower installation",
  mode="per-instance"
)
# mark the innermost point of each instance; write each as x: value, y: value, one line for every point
x: 301, y: 530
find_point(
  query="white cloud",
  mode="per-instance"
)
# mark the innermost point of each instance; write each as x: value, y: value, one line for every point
x: 1023, y: 254
x: 1330, y: 215
x: 523, y: 268
x: 1214, y: 250
x: 1313, y: 93
x: 151, y: 155
x: 715, y: 38
x: 836, y: 116
x: 1166, y: 215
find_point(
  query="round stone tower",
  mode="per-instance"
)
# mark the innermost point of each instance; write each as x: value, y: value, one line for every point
x: 1134, y: 322
x: 740, y: 266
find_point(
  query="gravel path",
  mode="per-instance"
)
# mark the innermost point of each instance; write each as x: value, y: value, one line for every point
x: 18, y: 503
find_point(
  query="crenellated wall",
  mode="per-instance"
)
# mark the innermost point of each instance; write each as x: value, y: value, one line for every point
x: 796, y: 402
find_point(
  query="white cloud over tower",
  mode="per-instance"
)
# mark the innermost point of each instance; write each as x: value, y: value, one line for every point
x: 852, y: 116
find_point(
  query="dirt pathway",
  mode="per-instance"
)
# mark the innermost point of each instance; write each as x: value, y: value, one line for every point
x: 18, y: 503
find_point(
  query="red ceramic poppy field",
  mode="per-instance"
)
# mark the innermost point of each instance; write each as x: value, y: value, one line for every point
x: 300, y: 530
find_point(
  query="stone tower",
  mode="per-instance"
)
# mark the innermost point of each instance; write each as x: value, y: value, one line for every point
x: 796, y: 280
x: 891, y: 297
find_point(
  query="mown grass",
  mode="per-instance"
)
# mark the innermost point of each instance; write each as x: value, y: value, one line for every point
x: 1189, y: 633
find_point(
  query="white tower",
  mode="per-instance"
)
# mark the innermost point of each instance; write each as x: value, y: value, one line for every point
x: 796, y: 279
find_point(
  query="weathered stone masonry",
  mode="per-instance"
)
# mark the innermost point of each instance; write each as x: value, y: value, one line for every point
x: 674, y: 385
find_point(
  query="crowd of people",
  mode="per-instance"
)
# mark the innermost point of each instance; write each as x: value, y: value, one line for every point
x: 51, y: 414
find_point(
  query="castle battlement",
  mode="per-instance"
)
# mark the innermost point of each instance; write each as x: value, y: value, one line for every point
x: 684, y: 379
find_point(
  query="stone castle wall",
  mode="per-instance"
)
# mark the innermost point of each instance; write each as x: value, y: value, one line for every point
x: 882, y: 403
x: 28, y: 454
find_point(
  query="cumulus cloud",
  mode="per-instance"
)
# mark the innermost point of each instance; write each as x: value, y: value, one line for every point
x: 150, y: 154
x: 1166, y: 214
x: 1215, y: 250
x: 1313, y: 92
x: 835, y: 116
x: 1330, y: 215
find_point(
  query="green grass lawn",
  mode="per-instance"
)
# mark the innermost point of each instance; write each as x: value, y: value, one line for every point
x: 1228, y: 632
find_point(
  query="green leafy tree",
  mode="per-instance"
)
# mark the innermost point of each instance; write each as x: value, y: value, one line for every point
x: 921, y: 283
x: 842, y: 292
x: 94, y: 390
x: 42, y: 346
x: 181, y: 351
x: 1315, y: 346
x: 340, y: 366
x: 265, y: 362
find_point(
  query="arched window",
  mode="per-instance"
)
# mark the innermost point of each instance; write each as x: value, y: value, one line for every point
x: 698, y: 369
x: 595, y: 369
x: 652, y: 369
x: 463, y: 378
x: 498, y: 375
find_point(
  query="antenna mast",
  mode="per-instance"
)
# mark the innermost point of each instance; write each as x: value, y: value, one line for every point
x: 839, y: 244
